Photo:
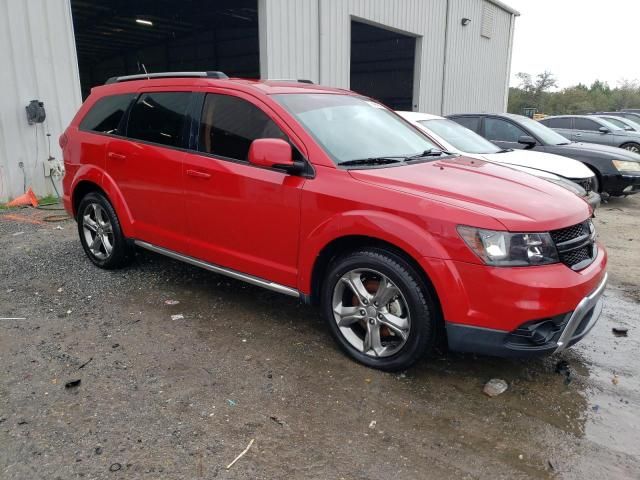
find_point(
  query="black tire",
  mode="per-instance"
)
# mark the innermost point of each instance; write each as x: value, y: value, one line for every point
x: 415, y: 294
x: 632, y: 147
x: 121, y: 252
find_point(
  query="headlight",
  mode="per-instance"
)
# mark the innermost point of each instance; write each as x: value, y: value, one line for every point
x: 504, y: 249
x: 626, y: 165
x: 572, y: 187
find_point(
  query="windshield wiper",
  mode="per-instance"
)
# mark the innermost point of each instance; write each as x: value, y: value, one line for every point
x: 432, y: 152
x: 374, y: 161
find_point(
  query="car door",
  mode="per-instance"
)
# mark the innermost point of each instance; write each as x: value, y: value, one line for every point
x: 588, y: 130
x: 240, y: 216
x: 562, y: 125
x: 147, y: 166
x: 503, y: 132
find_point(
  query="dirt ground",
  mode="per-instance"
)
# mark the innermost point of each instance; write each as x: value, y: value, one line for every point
x: 181, y: 398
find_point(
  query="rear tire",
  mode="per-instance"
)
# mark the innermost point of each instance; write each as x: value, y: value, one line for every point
x: 100, y: 233
x: 378, y: 309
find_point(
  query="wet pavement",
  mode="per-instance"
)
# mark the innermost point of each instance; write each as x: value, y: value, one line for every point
x: 180, y: 399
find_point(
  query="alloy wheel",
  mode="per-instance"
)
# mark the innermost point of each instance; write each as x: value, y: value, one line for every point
x: 633, y: 148
x: 371, y: 312
x: 98, y: 231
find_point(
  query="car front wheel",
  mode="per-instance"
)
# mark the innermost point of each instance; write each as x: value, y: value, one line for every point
x: 379, y: 309
x: 632, y: 147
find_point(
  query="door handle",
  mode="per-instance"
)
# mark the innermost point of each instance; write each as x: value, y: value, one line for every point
x: 197, y: 174
x: 578, y: 134
x: 116, y: 156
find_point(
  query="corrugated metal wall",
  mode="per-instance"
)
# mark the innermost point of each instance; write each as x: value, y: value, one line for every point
x: 38, y: 58
x: 477, y: 68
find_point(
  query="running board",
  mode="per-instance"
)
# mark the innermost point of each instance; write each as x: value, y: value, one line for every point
x: 276, y: 287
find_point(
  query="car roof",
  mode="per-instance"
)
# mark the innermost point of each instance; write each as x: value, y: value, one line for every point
x: 265, y: 87
x: 417, y: 116
x: 512, y: 116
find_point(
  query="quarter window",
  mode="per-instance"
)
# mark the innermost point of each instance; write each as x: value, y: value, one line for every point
x: 106, y: 114
x: 159, y: 118
x: 229, y: 125
x: 502, y: 131
x: 586, y: 124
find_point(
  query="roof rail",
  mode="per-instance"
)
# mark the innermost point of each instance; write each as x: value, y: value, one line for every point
x: 298, y: 80
x: 149, y: 76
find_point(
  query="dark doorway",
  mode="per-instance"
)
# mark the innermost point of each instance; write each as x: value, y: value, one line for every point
x: 382, y: 65
x: 116, y: 37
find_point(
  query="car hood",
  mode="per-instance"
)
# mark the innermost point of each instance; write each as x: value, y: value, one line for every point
x: 612, y: 153
x: 519, y: 201
x: 548, y: 162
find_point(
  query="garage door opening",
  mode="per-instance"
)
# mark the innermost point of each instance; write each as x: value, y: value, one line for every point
x: 116, y: 37
x: 383, y: 64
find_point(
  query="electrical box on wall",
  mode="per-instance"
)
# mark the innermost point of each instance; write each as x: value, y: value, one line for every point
x: 35, y: 112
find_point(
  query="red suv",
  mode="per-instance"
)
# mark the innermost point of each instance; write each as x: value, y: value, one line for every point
x: 325, y: 195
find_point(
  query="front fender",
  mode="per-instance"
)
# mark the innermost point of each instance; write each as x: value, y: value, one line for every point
x: 406, y: 235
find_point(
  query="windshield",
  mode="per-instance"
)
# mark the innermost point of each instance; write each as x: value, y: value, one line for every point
x: 545, y: 134
x: 609, y: 124
x: 352, y: 128
x: 615, y: 121
x: 462, y: 139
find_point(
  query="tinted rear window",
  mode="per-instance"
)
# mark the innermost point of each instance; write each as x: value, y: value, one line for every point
x: 159, y: 118
x: 472, y: 123
x: 586, y: 124
x: 106, y: 114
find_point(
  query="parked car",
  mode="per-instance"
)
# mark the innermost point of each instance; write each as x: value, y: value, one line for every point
x: 617, y: 170
x: 621, y: 122
x: 593, y: 129
x: 635, y: 116
x: 328, y: 196
x: 453, y: 137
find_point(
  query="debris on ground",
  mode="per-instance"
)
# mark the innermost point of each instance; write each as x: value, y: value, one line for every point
x: 232, y: 403
x: 171, y: 302
x: 60, y: 290
x: 277, y: 420
x: 115, y: 467
x: 562, y: 368
x: 12, y: 318
x: 72, y: 383
x: 595, y: 408
x: 367, y: 380
x: 241, y: 455
x: 59, y: 228
x: 177, y: 317
x: 620, y: 331
x: 17, y: 233
x: 615, y: 380
x: 85, y: 363
x: 372, y: 425
x: 98, y: 450
x: 495, y: 387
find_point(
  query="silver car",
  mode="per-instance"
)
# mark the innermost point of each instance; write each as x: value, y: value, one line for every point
x: 592, y: 129
x: 628, y: 125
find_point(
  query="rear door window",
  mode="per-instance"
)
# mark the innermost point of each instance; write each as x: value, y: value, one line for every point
x: 106, y: 114
x: 229, y: 125
x: 502, y: 131
x: 159, y: 117
x: 559, y: 123
x: 472, y: 123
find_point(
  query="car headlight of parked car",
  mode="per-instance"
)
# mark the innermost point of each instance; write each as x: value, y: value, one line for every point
x: 505, y: 249
x: 626, y: 166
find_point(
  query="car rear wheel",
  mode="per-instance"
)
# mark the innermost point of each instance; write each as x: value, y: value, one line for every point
x: 100, y: 232
x: 378, y: 309
x: 632, y: 147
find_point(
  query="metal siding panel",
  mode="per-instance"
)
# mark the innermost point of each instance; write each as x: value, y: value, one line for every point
x: 477, y: 67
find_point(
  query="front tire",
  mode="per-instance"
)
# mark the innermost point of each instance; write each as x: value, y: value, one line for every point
x: 378, y: 309
x: 100, y: 233
x: 632, y: 147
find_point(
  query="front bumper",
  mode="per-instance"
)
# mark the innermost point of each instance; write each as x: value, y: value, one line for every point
x: 623, y: 183
x: 532, y: 338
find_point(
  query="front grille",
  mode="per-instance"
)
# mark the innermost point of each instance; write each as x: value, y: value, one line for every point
x: 576, y: 245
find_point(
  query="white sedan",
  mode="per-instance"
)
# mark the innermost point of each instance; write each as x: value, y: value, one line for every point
x: 453, y: 137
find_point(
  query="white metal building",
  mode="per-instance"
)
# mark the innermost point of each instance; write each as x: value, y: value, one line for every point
x: 436, y: 56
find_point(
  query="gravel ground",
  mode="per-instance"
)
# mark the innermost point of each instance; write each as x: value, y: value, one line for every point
x: 181, y: 398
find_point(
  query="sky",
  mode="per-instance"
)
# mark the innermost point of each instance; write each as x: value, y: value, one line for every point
x: 579, y: 41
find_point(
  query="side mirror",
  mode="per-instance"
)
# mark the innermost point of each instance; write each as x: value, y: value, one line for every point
x: 628, y: 128
x: 604, y: 130
x: 527, y: 140
x: 272, y: 153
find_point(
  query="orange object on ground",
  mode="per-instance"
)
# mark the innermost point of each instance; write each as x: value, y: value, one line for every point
x: 28, y: 198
